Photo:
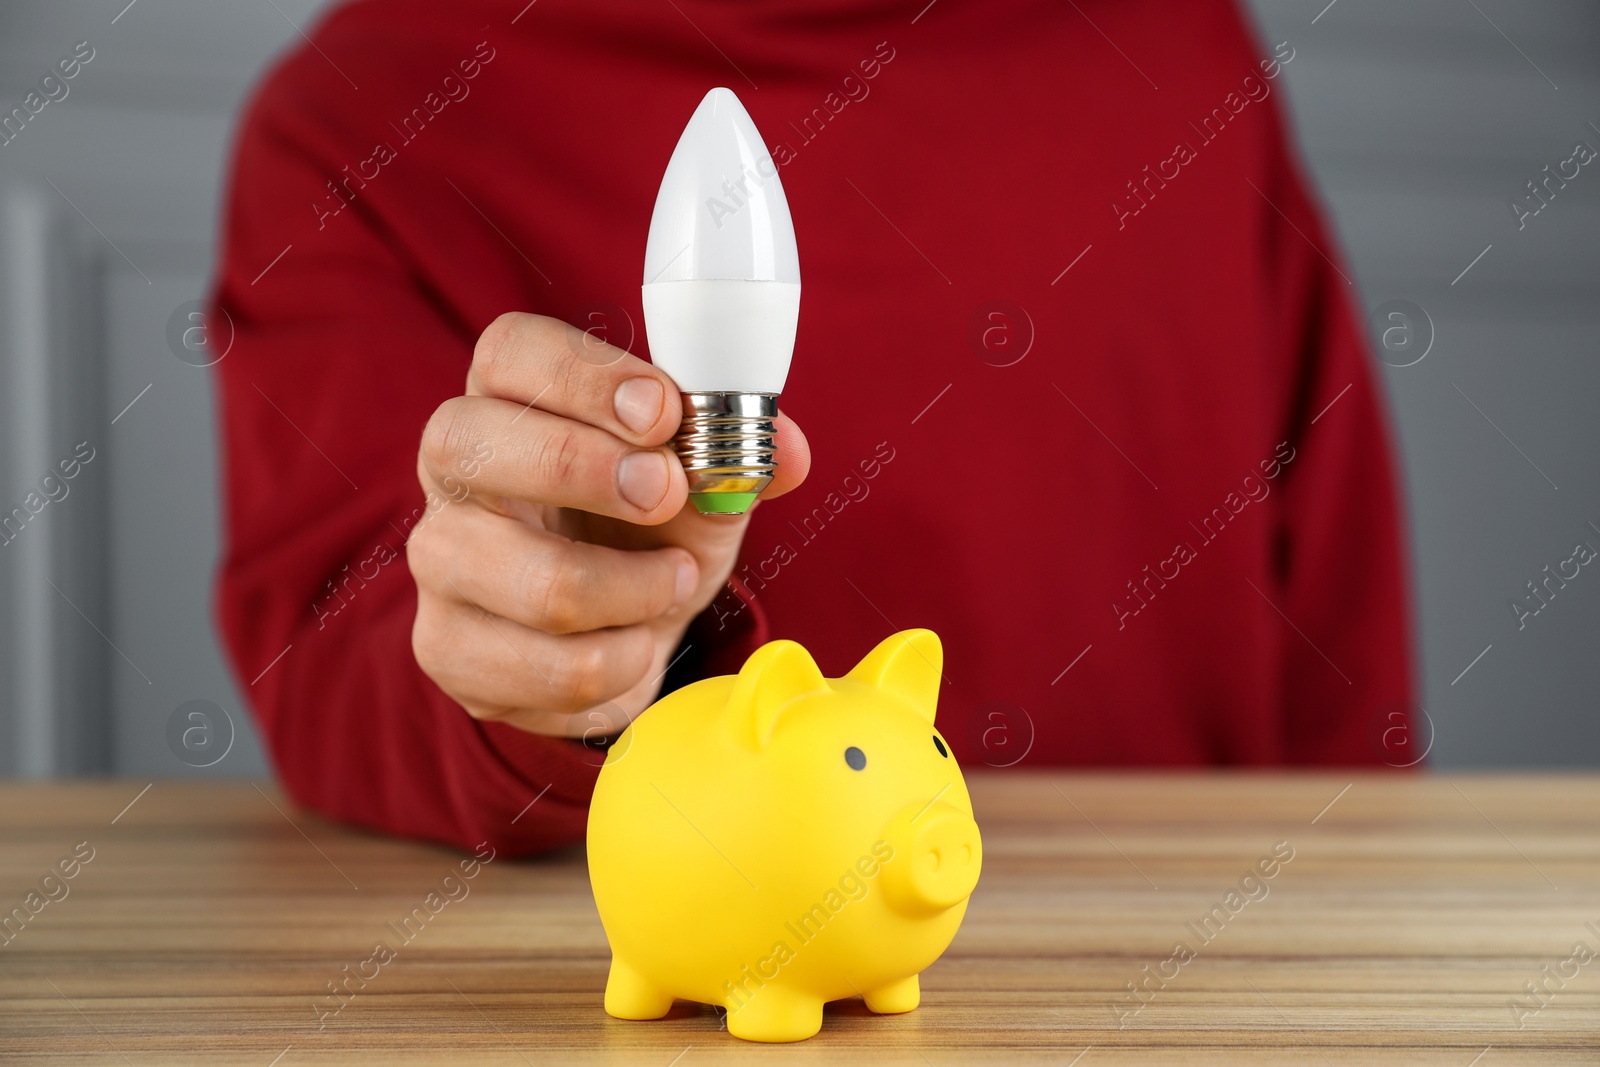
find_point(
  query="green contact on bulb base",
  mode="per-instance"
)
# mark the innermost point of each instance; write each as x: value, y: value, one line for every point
x: 723, y: 503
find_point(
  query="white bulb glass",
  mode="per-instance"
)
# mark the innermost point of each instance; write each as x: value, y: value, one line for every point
x: 721, y: 269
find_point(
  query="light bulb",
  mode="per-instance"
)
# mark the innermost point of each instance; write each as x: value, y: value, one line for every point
x: 722, y: 300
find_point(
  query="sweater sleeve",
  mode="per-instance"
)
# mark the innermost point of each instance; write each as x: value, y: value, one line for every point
x: 1340, y: 561
x: 341, y: 350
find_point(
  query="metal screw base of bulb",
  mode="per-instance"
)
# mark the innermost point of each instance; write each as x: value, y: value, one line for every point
x: 728, y: 447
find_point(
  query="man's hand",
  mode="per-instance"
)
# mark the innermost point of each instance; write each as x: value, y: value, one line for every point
x: 554, y: 593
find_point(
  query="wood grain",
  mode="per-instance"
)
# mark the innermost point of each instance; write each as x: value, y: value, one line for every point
x: 1412, y: 913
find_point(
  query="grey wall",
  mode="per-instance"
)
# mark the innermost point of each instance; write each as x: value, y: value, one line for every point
x: 1420, y: 121
x: 138, y: 147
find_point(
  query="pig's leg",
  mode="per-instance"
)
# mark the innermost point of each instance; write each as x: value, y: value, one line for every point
x: 895, y: 997
x: 630, y: 995
x: 776, y: 1014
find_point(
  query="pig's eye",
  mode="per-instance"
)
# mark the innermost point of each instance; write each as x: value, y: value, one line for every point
x: 938, y: 744
x: 855, y: 757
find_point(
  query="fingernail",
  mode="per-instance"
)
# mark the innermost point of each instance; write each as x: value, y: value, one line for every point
x: 688, y: 575
x: 642, y: 479
x: 638, y: 403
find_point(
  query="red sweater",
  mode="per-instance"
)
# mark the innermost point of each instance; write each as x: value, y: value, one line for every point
x: 1077, y: 360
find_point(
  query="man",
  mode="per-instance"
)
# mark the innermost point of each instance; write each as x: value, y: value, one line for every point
x: 1081, y: 380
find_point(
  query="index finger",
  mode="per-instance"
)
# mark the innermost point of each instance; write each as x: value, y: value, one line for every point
x: 543, y: 362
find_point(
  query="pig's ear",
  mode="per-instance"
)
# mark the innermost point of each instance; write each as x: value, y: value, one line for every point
x: 910, y: 665
x: 775, y: 675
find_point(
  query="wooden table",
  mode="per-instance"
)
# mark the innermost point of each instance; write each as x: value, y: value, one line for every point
x: 212, y: 917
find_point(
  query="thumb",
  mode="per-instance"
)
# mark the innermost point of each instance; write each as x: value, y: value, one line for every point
x: 794, y: 458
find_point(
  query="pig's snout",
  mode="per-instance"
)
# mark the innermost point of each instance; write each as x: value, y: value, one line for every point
x: 937, y: 856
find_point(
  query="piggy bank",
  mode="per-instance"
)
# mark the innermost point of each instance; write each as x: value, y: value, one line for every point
x: 775, y: 840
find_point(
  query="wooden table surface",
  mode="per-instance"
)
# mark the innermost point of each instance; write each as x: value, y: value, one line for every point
x: 1409, y: 920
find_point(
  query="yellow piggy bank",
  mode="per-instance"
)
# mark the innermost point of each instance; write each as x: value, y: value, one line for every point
x: 775, y: 840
